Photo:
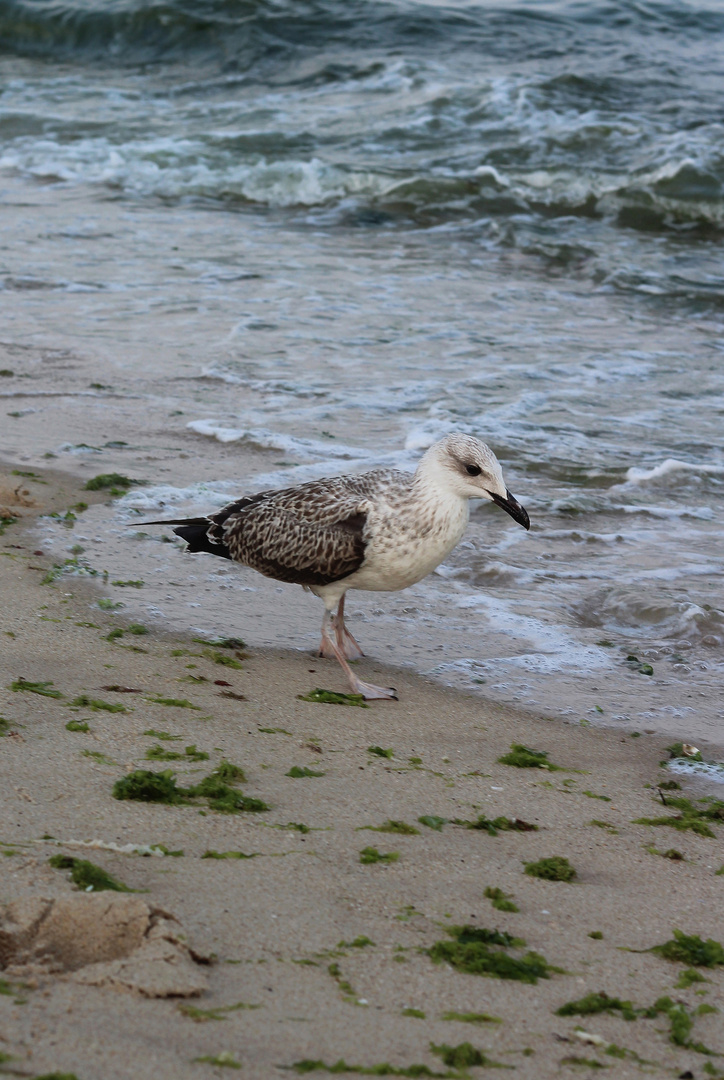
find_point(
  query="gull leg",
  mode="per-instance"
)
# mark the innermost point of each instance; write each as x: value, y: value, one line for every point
x: 327, y: 647
x: 345, y: 641
x: 368, y: 690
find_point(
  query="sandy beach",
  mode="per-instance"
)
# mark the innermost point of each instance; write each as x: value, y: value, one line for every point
x: 294, y: 950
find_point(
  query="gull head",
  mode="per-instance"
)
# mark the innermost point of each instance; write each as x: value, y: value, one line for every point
x: 470, y: 469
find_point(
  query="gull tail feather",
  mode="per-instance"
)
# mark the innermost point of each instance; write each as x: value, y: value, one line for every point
x: 195, y: 531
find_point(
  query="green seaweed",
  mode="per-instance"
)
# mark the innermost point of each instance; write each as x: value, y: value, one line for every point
x: 329, y: 697
x: 554, y: 868
x: 592, y: 795
x: 360, y: 942
x: 221, y: 658
x: 600, y: 1002
x: 86, y: 875
x: 137, y: 628
x: 596, y: 935
x: 143, y: 785
x: 41, y: 688
x: 432, y: 821
x: 496, y: 825
x: 307, y: 1065
x: 465, y: 1056
x: 6, y: 520
x: 681, y: 1023
x: 585, y: 1063
x: 690, y: 949
x: 110, y: 480
x: 176, y: 703
x: 153, y: 734
x: 57, y: 1076
x: 417, y: 1013
x: 471, y: 952
x: 687, y: 978
x: 671, y: 853
x: 219, y: 1012
x: 77, y: 725
x: 4, y: 726
x: 157, y: 753
x: 471, y: 1018
x: 393, y: 826
x: 299, y: 771
x: 222, y: 643
x: 85, y: 702
x: 224, y: 798
x: 380, y: 751
x: 523, y: 757
x: 691, y: 817
x: 370, y: 855
x: 604, y: 825
x: 99, y: 757
x: 273, y: 731
x: 500, y: 900
x: 229, y: 773
x: 225, y: 1058
x: 129, y: 584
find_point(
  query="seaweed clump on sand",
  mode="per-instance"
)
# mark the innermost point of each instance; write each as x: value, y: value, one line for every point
x: 499, y: 899
x: 600, y: 1002
x: 523, y: 757
x: 42, y: 688
x: 690, y: 949
x: 495, y: 825
x: 465, y: 1056
x: 308, y: 1065
x: 478, y: 951
x: 691, y: 817
x: 330, y: 697
x: 394, y: 826
x: 144, y: 785
x: 554, y: 868
x: 115, y: 482
x: 86, y: 875
x: 370, y: 855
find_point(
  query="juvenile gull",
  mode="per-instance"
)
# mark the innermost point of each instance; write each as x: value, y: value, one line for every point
x: 380, y: 531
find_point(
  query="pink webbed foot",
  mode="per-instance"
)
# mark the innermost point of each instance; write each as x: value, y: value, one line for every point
x: 370, y: 692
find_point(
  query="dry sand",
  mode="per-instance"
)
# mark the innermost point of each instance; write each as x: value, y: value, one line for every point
x: 105, y: 986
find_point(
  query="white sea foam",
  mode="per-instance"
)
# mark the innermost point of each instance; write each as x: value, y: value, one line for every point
x: 636, y: 475
x: 273, y: 440
x: 711, y: 770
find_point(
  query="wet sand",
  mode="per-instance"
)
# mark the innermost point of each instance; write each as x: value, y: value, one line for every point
x: 327, y: 954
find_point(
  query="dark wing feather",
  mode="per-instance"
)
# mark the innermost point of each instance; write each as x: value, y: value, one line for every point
x: 309, y: 535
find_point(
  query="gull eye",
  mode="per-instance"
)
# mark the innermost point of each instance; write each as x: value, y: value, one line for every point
x: 473, y: 470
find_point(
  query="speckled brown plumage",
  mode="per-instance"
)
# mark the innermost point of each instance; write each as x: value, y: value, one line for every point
x: 312, y: 534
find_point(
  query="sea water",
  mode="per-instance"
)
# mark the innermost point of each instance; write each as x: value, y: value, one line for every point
x: 246, y: 244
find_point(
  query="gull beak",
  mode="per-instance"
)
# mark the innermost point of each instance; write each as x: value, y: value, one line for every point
x: 511, y: 506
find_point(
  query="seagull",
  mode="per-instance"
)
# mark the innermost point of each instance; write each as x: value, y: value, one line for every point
x: 380, y: 531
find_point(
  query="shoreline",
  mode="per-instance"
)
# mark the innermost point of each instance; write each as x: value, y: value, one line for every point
x: 285, y: 910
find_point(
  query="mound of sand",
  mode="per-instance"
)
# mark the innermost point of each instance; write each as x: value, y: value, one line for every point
x: 100, y: 941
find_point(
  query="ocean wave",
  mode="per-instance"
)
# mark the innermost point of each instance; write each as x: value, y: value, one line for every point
x: 307, y: 449
x: 238, y: 31
x: 633, y: 611
x: 670, y: 469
